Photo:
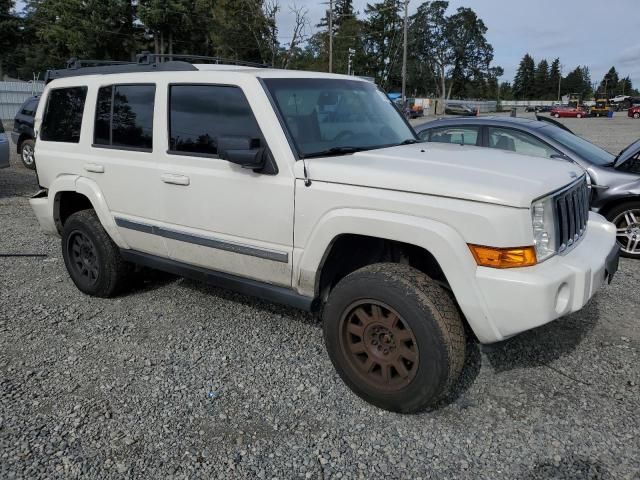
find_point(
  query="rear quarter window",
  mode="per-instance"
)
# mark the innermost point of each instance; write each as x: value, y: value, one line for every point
x: 63, y: 115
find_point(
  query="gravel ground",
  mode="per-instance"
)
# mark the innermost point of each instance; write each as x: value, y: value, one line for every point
x: 181, y: 380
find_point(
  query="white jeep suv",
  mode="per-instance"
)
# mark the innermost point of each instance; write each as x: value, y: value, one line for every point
x: 311, y: 189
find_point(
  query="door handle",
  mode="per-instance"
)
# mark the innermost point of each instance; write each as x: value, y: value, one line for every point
x: 93, y: 167
x: 174, y: 179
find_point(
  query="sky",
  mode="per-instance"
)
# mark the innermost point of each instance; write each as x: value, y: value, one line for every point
x: 595, y: 33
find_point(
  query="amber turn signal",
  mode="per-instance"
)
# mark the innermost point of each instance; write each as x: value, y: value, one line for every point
x: 503, y: 257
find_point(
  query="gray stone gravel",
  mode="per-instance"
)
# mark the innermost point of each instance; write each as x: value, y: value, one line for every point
x: 181, y: 380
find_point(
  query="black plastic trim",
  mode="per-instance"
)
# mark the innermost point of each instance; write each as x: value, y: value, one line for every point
x: 282, y: 257
x: 245, y: 286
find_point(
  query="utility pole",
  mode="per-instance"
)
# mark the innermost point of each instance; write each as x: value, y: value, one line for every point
x: 330, y: 36
x: 404, y: 54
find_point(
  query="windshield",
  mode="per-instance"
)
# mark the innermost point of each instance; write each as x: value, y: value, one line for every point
x: 578, y: 145
x: 334, y: 116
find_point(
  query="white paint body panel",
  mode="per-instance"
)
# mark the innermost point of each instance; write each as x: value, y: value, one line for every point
x: 438, y: 197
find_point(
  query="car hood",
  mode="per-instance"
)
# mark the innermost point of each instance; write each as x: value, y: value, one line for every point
x: 471, y: 173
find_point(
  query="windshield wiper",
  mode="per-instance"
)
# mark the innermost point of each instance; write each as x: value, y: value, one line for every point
x: 408, y: 141
x: 335, y: 151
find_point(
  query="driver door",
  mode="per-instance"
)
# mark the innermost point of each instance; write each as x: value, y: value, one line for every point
x: 216, y: 214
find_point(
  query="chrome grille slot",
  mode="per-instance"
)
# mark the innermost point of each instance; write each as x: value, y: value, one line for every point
x: 572, y: 212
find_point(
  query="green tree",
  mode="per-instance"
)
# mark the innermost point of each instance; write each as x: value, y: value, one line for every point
x: 10, y: 37
x: 555, y: 77
x: 541, y: 84
x: 523, y: 83
x: 578, y: 81
x: 609, y: 83
x: 383, y: 42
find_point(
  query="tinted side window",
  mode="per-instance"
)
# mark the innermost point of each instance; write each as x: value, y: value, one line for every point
x: 63, y: 115
x: 29, y: 108
x: 462, y: 135
x: 124, y: 116
x: 199, y: 114
x: 102, y: 128
x: 519, y: 142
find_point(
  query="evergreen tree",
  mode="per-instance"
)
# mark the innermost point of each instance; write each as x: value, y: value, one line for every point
x: 9, y: 37
x: 609, y: 84
x: 523, y: 83
x: 541, y: 80
x: 555, y: 77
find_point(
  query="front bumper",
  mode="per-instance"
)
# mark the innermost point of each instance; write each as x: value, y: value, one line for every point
x: 520, y: 299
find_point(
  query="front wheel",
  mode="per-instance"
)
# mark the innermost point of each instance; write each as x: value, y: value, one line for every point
x: 636, y: 115
x: 394, y: 336
x: 578, y: 116
x: 557, y: 115
x: 626, y: 218
x: 27, y: 154
x: 92, y: 259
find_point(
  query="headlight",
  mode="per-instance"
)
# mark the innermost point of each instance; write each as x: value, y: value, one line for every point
x: 544, y: 228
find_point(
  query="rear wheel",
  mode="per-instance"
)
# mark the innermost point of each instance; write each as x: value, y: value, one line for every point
x: 636, y: 115
x: 394, y: 336
x: 557, y: 115
x: 92, y: 259
x: 626, y: 218
x: 578, y: 115
x: 27, y: 154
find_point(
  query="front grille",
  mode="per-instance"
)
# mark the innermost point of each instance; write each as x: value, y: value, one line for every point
x: 572, y: 210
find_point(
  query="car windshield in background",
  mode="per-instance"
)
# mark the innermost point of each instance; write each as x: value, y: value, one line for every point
x: 579, y: 146
x: 332, y: 117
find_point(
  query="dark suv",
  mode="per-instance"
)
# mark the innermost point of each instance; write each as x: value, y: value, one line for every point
x: 22, y: 135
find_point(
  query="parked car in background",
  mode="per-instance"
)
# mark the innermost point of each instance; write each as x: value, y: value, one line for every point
x: 4, y: 148
x: 576, y: 112
x: 615, y: 180
x: 464, y: 110
x: 634, y: 112
x: 22, y: 134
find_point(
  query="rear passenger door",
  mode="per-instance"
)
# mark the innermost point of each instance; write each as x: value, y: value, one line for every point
x: 123, y: 161
x: 216, y: 214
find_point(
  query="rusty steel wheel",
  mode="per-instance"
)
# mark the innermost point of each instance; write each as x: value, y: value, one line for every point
x: 394, y: 336
x: 379, y: 345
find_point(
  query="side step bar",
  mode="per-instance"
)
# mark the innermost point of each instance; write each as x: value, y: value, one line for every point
x: 245, y: 286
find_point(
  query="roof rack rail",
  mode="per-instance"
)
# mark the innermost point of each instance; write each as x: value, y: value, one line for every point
x: 148, y: 57
x: 144, y: 62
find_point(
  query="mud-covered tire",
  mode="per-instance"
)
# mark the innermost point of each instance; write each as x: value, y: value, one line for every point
x: 92, y: 259
x: 426, y: 313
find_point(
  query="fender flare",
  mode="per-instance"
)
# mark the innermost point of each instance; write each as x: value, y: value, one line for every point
x: 90, y: 189
x: 442, y: 241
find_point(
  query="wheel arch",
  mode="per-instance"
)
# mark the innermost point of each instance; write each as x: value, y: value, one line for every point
x: 433, y: 247
x: 71, y: 193
x: 606, y: 209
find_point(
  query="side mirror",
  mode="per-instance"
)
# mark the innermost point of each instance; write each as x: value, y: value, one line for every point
x: 241, y: 151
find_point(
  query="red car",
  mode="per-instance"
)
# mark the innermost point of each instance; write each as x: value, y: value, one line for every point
x: 558, y: 112
x: 634, y: 112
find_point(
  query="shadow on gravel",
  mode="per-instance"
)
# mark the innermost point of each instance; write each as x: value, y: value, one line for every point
x: 544, y: 344
x: 576, y: 468
x: 16, y: 182
x: 470, y: 371
x: 268, y: 308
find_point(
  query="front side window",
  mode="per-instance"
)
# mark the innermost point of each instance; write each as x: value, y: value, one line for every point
x: 63, y: 115
x: 460, y: 135
x: 519, y: 142
x: 335, y: 116
x: 124, y: 116
x: 200, y: 114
